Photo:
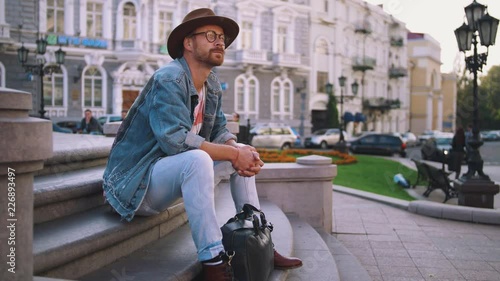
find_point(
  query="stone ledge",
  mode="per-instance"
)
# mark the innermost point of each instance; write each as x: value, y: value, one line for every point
x: 303, y: 189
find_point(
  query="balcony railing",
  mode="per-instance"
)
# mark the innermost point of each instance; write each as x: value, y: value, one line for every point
x: 363, y: 63
x: 363, y: 27
x: 397, y: 41
x: 397, y: 72
x: 382, y: 104
x: 252, y: 56
x: 286, y: 59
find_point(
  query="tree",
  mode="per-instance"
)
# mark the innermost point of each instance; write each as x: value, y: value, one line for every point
x: 488, y: 99
x: 332, y: 114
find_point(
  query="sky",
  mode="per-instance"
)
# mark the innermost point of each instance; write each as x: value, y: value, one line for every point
x: 439, y: 19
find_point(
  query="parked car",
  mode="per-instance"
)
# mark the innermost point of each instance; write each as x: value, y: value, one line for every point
x: 73, y: 125
x: 410, y: 139
x: 427, y: 135
x: 273, y: 135
x: 324, y: 138
x: 59, y: 129
x: 377, y: 143
x: 491, y: 136
x: 436, y: 148
x: 109, y: 118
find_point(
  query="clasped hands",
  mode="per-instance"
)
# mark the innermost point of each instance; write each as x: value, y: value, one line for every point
x: 248, y: 162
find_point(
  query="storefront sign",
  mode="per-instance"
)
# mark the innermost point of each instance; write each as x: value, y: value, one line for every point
x: 53, y: 39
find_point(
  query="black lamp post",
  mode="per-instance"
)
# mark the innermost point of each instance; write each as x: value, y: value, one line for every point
x: 476, y: 190
x: 40, y: 68
x: 329, y: 90
x: 302, y: 92
x: 486, y: 26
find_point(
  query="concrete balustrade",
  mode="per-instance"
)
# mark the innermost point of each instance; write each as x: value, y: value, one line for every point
x: 25, y: 143
x: 303, y: 188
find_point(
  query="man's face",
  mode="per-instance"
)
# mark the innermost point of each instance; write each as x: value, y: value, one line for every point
x: 210, y: 53
x: 88, y: 114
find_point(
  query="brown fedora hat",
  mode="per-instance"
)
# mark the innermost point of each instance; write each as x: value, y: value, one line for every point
x: 195, y: 19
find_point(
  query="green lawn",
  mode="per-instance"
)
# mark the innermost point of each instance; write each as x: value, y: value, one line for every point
x: 375, y: 174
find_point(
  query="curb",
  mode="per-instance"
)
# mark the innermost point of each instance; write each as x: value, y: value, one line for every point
x: 430, y: 209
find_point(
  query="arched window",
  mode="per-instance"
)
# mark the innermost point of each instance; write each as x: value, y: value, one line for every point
x: 129, y: 21
x: 322, y: 47
x: 92, y: 88
x: 281, y: 98
x: 246, y: 96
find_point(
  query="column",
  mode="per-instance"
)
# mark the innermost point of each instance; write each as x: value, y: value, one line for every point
x: 428, y: 123
x: 26, y: 142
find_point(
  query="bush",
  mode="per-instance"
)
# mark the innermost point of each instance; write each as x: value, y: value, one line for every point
x: 290, y: 155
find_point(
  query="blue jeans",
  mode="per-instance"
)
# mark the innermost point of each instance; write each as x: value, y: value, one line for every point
x: 193, y: 175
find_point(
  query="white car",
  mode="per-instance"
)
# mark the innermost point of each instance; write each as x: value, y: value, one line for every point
x: 107, y: 118
x: 325, y: 138
x: 273, y: 135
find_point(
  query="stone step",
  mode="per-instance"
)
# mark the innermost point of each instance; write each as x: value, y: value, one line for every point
x: 308, y: 244
x: 73, y: 152
x: 67, y: 193
x: 174, y: 256
x: 74, y: 245
x: 349, y: 268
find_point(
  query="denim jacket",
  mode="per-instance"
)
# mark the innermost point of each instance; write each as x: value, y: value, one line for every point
x: 158, y: 125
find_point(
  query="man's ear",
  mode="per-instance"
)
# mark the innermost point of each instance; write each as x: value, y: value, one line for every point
x: 188, y: 43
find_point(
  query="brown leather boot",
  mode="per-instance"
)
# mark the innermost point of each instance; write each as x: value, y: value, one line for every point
x: 281, y: 262
x: 218, y: 272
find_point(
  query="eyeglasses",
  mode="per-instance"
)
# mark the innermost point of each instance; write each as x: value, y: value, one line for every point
x: 212, y: 36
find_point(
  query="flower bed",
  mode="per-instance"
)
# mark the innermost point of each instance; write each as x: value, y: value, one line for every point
x: 289, y: 156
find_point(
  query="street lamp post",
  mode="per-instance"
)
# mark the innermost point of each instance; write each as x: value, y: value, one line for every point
x: 477, y: 22
x: 40, y: 68
x: 329, y: 90
x: 342, y: 80
x: 302, y: 93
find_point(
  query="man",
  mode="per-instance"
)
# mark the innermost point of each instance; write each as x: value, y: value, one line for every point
x: 174, y: 138
x: 90, y: 125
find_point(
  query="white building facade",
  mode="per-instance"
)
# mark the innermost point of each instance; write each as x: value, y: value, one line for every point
x: 275, y: 71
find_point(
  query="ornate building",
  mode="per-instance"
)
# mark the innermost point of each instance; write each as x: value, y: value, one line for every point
x: 275, y: 71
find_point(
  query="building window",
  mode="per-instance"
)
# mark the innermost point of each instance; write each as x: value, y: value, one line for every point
x: 55, y: 16
x: 94, y: 19
x: 165, y: 24
x: 281, y: 98
x: 92, y: 85
x: 129, y: 22
x: 246, y: 96
x: 53, y: 91
x: 281, y: 42
x: 321, y: 81
x: 246, y: 35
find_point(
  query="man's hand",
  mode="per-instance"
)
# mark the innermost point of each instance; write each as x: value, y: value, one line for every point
x: 248, y: 162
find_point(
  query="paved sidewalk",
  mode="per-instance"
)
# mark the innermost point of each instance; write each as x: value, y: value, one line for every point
x: 394, y: 244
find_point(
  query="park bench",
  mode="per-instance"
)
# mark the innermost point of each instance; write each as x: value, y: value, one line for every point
x: 422, y: 174
x: 436, y: 179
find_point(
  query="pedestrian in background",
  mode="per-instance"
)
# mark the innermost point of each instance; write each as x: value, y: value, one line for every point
x: 457, y: 152
x: 90, y: 125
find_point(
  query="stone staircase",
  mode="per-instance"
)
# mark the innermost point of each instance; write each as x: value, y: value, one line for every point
x: 78, y: 237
